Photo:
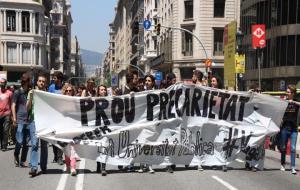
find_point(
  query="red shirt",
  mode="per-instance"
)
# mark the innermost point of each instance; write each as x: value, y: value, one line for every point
x: 5, y: 102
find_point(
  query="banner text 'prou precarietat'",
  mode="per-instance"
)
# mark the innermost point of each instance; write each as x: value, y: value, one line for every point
x: 228, y: 105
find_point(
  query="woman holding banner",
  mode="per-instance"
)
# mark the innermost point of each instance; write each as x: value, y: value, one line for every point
x: 69, y: 150
x: 101, y: 167
x: 289, y: 128
x: 149, y: 82
x: 216, y: 83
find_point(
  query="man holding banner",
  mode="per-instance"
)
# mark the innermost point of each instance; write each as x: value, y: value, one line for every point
x: 40, y: 85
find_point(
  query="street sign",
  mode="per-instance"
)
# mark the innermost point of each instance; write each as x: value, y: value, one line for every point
x: 114, y: 80
x: 158, y: 76
x: 258, y: 36
x: 147, y: 24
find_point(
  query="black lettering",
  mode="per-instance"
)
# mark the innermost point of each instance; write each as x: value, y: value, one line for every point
x: 211, y: 104
x: 129, y: 111
x: 186, y: 105
x: 152, y: 100
x: 243, y: 101
x: 177, y: 95
x: 205, y: 103
x: 223, y: 96
x: 85, y: 105
x: 164, y: 99
x: 230, y: 108
x: 101, y: 105
x: 146, y: 149
x: 171, y: 104
x: 195, y: 105
x: 117, y: 109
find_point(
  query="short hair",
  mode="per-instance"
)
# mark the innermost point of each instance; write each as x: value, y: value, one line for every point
x: 170, y: 76
x: 82, y: 86
x: 292, y: 88
x: 59, y: 75
x: 90, y: 80
x: 198, y: 74
x: 41, y: 74
x: 135, y: 72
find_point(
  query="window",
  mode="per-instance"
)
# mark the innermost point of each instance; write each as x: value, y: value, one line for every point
x: 283, y: 51
x: 37, y: 21
x: 26, y: 54
x: 298, y: 50
x: 285, y: 12
x: 187, y: 43
x: 188, y: 9
x: 37, y: 54
x: 218, y: 41
x: 291, y: 50
x: 11, y: 52
x: 11, y: 20
x: 219, y: 8
x: 56, y: 18
x: 25, y: 22
x: 298, y: 12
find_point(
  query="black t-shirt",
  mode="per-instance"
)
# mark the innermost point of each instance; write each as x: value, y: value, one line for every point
x: 20, y: 99
x: 290, y: 117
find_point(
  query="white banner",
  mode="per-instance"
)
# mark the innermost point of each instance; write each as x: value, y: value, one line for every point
x: 184, y: 124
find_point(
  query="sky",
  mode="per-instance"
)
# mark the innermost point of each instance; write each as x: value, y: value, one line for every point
x: 90, y: 23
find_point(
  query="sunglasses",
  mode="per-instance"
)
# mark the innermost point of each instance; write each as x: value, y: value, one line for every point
x: 69, y: 90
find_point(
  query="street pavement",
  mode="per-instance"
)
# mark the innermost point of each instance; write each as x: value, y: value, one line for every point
x: 236, y: 178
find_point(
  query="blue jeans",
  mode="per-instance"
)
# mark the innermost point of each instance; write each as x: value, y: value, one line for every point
x: 21, y: 138
x: 34, y: 146
x: 284, y: 135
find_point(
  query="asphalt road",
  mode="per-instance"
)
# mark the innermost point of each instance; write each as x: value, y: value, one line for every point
x: 237, y: 177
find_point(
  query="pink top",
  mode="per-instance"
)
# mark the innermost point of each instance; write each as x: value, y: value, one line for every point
x: 5, y: 102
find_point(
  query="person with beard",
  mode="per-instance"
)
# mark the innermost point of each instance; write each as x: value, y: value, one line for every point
x: 20, y: 119
x: 40, y: 85
x: 131, y: 83
x: 198, y: 78
x: 5, y: 113
x: 90, y: 88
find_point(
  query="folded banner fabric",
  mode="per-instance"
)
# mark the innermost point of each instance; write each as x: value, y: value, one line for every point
x: 184, y: 124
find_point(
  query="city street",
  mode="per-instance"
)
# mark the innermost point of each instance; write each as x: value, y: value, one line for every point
x: 236, y: 177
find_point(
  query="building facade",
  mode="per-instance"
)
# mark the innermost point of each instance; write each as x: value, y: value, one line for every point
x: 180, y: 52
x: 61, y: 18
x: 281, y: 57
x: 23, y: 38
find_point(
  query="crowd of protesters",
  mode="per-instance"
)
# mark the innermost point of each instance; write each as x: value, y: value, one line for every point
x: 17, y: 118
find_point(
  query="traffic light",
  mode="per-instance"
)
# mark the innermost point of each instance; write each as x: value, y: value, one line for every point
x: 136, y: 27
x: 208, y: 63
x: 157, y: 28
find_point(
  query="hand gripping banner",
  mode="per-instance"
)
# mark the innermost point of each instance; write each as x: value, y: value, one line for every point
x: 184, y: 124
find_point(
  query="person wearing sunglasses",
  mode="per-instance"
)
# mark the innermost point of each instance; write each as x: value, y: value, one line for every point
x: 69, y: 149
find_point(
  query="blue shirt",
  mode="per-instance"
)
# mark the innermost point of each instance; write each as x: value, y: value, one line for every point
x: 55, y: 89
